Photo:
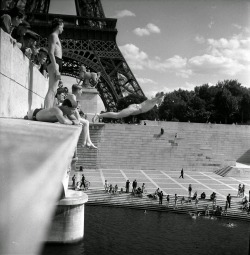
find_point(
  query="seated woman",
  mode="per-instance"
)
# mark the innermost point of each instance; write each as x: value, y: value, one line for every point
x: 203, y: 195
x: 244, y: 200
x: 213, y: 196
x: 133, y: 109
x: 195, y: 195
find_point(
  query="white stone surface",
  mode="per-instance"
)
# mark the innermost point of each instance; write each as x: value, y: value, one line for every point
x: 22, y: 86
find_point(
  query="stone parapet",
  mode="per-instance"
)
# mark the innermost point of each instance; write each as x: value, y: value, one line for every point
x: 34, y: 159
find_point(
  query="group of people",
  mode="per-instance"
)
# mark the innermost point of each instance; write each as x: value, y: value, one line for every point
x: 59, y: 107
x: 241, y: 190
x: 77, y: 185
x: 110, y: 188
x: 24, y: 38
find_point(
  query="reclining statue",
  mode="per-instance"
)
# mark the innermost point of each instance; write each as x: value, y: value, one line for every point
x: 88, y: 79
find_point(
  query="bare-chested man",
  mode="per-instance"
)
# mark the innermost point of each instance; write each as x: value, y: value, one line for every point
x: 63, y: 114
x: 133, y: 109
x: 55, y: 65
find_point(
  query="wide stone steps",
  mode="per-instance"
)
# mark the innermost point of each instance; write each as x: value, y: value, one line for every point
x: 198, y: 147
x: 101, y: 198
x: 223, y: 171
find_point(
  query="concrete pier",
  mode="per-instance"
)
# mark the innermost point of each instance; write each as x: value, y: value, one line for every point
x: 67, y: 225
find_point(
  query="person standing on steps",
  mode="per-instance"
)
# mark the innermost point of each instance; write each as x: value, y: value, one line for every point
x: 189, y: 191
x: 229, y: 200
x: 127, y: 186
x: 74, y: 181
x: 55, y: 61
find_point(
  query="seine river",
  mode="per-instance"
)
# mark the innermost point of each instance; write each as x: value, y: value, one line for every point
x: 125, y: 231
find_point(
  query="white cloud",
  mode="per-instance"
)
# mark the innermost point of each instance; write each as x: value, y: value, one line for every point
x: 146, y: 81
x: 139, y: 60
x: 123, y: 13
x: 150, y: 28
x: 153, y: 28
x: 136, y: 58
x: 223, y: 56
x: 141, y: 31
x: 237, y: 26
x: 199, y: 39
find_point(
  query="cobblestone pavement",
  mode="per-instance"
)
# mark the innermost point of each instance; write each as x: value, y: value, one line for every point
x: 168, y: 181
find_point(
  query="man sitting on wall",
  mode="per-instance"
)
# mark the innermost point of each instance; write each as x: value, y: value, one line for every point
x: 62, y: 114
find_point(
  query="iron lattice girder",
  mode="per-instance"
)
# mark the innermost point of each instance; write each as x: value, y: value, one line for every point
x: 104, y: 57
x: 84, y: 8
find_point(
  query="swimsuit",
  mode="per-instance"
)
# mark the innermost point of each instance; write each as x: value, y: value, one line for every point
x: 35, y: 113
x: 59, y: 62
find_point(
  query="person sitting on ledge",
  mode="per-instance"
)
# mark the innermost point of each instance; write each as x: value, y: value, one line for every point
x: 195, y: 195
x: 86, y: 141
x: 62, y: 114
x: 133, y: 109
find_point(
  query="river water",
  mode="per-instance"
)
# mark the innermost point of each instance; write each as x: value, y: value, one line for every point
x: 125, y: 231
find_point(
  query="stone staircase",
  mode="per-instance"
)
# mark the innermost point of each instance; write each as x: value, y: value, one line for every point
x: 198, y: 147
x: 223, y: 171
x: 102, y: 198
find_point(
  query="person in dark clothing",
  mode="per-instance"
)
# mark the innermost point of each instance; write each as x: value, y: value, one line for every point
x: 160, y: 194
x: 83, y: 181
x: 74, y: 181
x: 127, y: 186
x: 9, y: 21
x: 134, y: 185
x: 182, y: 174
x: 229, y: 200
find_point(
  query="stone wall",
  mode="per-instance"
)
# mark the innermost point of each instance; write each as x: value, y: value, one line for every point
x: 22, y: 86
x: 198, y: 147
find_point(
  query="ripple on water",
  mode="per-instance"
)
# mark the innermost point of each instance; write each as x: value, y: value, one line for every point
x: 132, y: 232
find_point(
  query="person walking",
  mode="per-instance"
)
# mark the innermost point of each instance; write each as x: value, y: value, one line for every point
x: 83, y: 181
x: 182, y: 174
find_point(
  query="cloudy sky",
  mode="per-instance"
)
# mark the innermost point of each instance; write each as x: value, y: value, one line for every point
x: 172, y: 44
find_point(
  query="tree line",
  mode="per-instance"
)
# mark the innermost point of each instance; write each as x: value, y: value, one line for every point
x: 226, y: 102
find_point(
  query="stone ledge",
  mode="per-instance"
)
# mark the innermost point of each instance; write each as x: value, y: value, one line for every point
x: 34, y: 158
x: 74, y: 198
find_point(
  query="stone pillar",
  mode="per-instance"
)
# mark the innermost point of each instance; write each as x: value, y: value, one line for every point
x: 68, y: 222
x: 88, y: 102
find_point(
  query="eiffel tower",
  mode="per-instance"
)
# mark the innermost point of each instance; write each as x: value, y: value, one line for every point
x: 89, y: 38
